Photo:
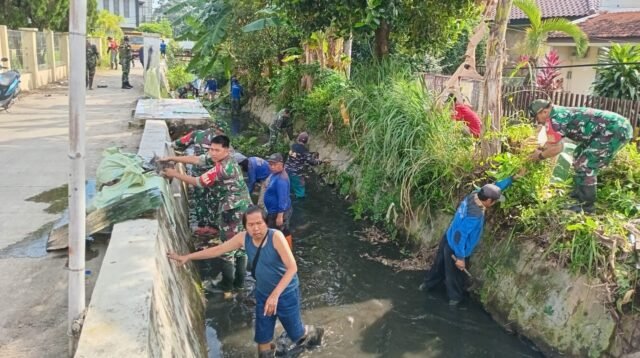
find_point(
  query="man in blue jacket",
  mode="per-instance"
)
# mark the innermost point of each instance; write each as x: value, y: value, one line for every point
x: 460, y: 240
x: 277, y: 201
x: 257, y: 170
x: 236, y: 94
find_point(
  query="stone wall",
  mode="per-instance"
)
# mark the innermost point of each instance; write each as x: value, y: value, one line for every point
x: 560, y: 312
x: 143, y: 305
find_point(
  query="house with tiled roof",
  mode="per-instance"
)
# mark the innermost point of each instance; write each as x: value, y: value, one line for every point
x: 604, y: 22
x: 609, y: 25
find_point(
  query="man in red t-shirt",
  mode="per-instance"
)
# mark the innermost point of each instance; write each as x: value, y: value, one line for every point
x: 113, y: 52
x: 464, y: 113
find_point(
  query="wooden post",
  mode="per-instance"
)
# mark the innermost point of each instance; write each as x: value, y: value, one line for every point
x: 492, y: 109
x: 77, y: 211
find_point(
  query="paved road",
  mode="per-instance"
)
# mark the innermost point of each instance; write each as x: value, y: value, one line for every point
x: 33, y: 154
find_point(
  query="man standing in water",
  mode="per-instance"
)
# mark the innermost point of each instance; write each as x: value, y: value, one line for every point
x: 297, y: 162
x: 205, y: 199
x: 458, y: 242
x: 598, y: 134
x: 257, y: 170
x: 277, y: 287
x: 276, y: 197
x: 225, y: 176
x: 281, y: 123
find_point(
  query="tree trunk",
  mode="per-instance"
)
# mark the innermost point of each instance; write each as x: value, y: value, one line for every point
x: 468, y: 68
x: 347, y: 52
x: 492, y: 108
x: 382, y: 39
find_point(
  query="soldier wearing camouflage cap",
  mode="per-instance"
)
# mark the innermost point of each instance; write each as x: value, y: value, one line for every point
x: 599, y: 135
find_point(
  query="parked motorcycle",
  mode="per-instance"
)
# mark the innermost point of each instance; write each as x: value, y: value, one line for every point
x: 9, y: 85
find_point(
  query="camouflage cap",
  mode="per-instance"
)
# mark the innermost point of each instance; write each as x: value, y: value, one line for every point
x: 538, y: 105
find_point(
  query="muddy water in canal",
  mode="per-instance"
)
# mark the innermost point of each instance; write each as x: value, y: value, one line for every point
x: 367, y: 309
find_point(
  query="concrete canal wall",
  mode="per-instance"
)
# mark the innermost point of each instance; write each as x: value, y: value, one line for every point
x: 143, y: 305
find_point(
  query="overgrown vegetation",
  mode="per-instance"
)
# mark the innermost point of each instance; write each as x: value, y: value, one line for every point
x: 410, y: 158
x: 596, y: 245
x: 178, y: 76
x: 162, y: 27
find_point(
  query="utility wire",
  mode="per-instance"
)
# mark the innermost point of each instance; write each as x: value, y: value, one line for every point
x: 571, y: 66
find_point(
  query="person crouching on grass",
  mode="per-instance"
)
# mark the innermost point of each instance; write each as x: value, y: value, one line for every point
x: 277, y: 290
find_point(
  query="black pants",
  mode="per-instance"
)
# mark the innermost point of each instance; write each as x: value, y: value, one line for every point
x: 234, y: 269
x: 271, y: 221
x: 444, y: 268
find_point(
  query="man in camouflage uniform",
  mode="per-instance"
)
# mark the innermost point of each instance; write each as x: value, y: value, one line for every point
x: 282, y: 123
x: 92, y: 62
x: 225, y: 176
x: 205, y: 200
x: 125, y: 61
x: 599, y: 135
x: 298, y: 162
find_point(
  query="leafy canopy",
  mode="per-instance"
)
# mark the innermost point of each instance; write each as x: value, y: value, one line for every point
x: 42, y: 14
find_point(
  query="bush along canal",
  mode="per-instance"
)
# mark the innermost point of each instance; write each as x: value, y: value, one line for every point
x: 367, y: 308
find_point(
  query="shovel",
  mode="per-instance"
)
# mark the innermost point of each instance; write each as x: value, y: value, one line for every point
x: 464, y: 270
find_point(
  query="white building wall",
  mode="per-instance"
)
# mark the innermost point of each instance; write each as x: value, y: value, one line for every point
x: 124, y: 8
x: 613, y: 5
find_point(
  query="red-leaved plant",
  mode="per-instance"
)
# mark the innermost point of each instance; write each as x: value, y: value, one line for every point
x: 549, y: 77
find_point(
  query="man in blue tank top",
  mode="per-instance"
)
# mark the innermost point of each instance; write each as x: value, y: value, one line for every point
x: 277, y: 289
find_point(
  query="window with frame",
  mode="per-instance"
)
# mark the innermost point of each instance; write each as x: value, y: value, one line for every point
x: 105, y: 4
x: 116, y: 7
x: 126, y: 8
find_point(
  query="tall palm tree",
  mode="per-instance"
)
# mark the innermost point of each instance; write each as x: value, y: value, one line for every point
x: 536, y: 35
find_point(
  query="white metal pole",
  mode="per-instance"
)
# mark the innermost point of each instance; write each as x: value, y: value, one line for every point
x: 77, y: 91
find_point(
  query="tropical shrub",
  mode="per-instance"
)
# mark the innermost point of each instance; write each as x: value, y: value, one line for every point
x: 619, y: 80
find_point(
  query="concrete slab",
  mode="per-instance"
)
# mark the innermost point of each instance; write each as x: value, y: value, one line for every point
x: 154, y: 140
x: 176, y: 112
x: 119, y: 309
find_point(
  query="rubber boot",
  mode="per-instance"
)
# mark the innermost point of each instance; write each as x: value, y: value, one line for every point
x: 128, y: 84
x: 586, y: 196
x: 124, y: 86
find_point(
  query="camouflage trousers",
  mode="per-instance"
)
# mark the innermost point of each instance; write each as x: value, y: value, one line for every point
x: 205, y: 207
x: 234, y: 267
x: 91, y: 72
x: 126, y: 66
x: 273, y: 135
x: 596, y: 154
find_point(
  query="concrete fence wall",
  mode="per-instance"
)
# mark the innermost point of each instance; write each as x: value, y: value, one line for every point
x: 41, y: 57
